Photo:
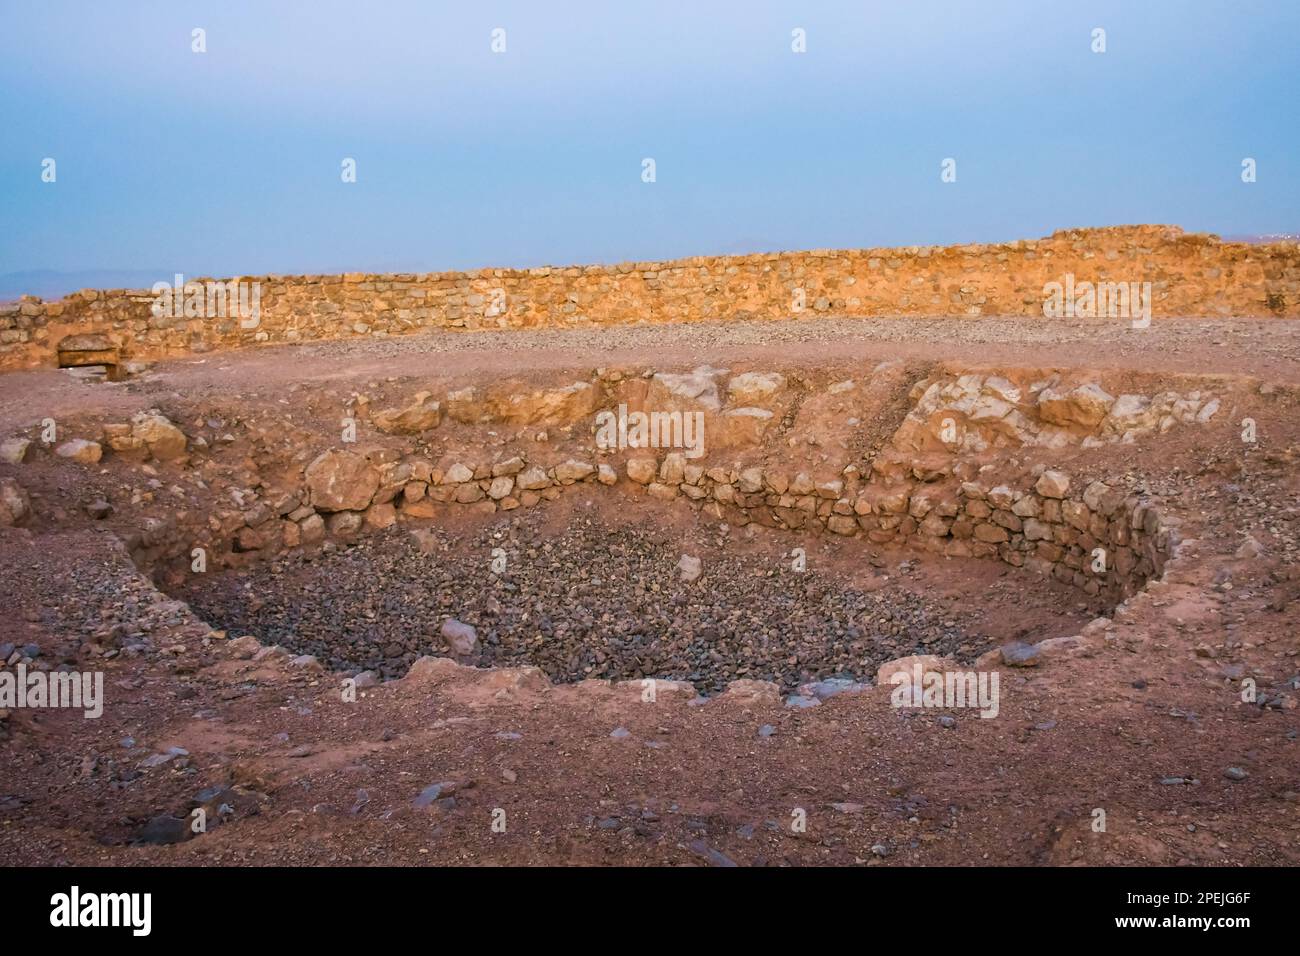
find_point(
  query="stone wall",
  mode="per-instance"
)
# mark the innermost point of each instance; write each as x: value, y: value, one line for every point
x: 1190, y: 275
x: 973, y: 468
x: 1052, y: 528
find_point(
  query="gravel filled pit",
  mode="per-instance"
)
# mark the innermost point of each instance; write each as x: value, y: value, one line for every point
x: 588, y: 602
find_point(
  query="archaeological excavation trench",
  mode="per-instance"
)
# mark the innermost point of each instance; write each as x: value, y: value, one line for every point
x: 808, y: 529
x: 588, y: 599
x: 489, y: 517
x: 495, y: 538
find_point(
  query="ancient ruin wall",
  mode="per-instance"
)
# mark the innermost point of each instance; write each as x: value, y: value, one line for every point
x: 956, y: 496
x: 1048, y: 528
x: 1189, y: 275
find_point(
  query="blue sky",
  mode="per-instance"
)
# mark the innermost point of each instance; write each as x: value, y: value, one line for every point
x: 228, y: 162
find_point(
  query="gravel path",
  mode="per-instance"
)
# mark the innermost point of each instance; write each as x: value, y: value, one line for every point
x: 1265, y: 348
x: 1245, y: 345
x: 1273, y: 336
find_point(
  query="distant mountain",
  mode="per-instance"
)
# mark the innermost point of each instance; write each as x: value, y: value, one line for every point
x: 50, y: 284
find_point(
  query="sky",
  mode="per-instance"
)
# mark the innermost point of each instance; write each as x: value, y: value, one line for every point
x: 229, y: 162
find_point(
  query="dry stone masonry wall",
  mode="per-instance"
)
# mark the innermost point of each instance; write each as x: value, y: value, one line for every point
x: 1189, y: 275
x: 950, y: 494
x: 1052, y: 527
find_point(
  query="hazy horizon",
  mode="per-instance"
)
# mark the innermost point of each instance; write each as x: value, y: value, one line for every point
x: 227, y: 162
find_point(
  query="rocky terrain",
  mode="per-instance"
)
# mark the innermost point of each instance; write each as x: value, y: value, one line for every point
x: 392, y: 600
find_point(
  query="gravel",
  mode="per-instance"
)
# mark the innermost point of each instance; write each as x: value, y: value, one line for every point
x: 586, y: 602
x: 1257, y: 337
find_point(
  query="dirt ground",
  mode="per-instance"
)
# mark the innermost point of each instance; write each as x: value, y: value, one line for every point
x: 1147, y: 730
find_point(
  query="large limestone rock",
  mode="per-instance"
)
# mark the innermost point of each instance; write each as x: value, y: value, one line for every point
x: 642, y: 470
x: 156, y: 432
x: 119, y: 437
x: 847, y: 526
x: 550, y: 405
x: 1053, y: 484
x: 750, y: 480
x: 673, y: 469
x: 755, y: 389
x: 511, y: 466
x: 86, y: 342
x: 910, y: 666
x: 87, y: 348
x: 566, y: 473
x: 971, y: 413
x: 15, y: 506
x: 743, y: 426
x: 421, y: 415
x: 1085, y: 405
x: 1131, y: 412
x: 380, y: 516
x: 393, y: 479
x: 998, y: 387
x: 695, y: 390
x: 14, y: 450
x: 533, y: 479
x: 458, y: 637
x: 1134, y: 415
x: 81, y: 451
x: 345, y: 524
x: 311, y: 529
x: 967, y: 414
x: 341, y: 481
x: 1103, y: 499
x: 507, y: 402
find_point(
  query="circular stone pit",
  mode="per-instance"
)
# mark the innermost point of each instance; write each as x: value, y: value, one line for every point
x: 584, y: 600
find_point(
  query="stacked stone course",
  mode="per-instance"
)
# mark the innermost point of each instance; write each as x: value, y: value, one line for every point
x: 1047, y: 529
x: 1190, y: 275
